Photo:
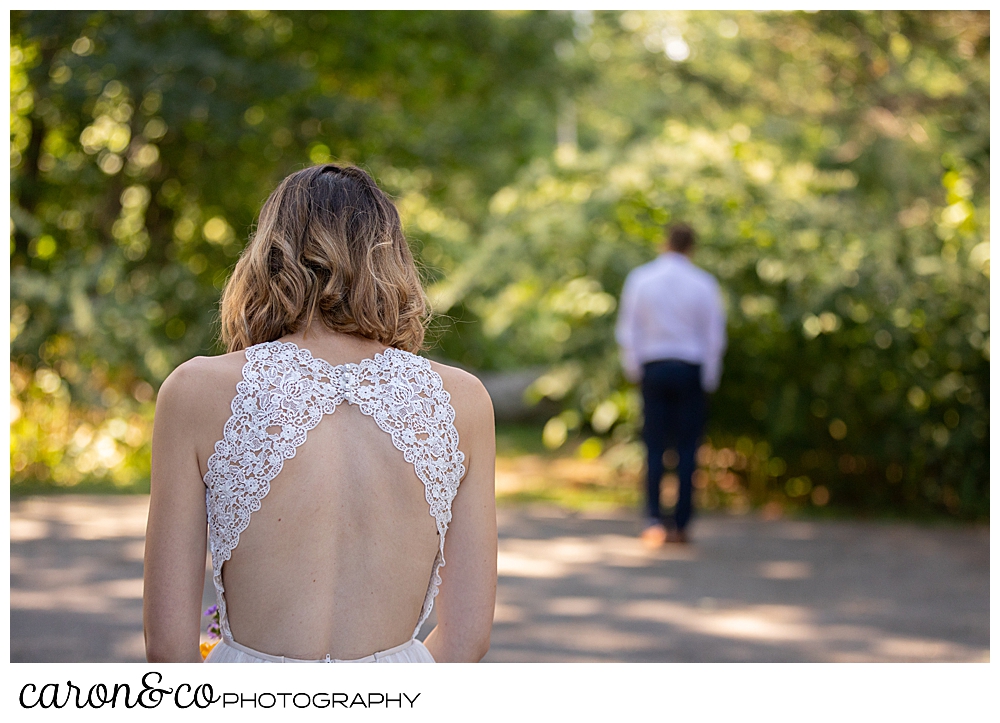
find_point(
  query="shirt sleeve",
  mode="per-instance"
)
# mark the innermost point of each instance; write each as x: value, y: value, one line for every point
x: 715, y: 342
x: 625, y: 331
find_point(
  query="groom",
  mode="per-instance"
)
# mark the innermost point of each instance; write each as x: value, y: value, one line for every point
x: 672, y: 333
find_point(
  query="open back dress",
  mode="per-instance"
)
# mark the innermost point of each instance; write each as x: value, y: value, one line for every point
x: 284, y: 393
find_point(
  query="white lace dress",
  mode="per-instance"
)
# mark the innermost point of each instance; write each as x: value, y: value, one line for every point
x: 285, y: 388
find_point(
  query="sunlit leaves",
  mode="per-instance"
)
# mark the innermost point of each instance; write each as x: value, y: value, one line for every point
x: 789, y: 189
x: 835, y: 165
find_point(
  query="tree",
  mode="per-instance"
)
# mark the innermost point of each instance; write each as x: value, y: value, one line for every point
x: 835, y: 165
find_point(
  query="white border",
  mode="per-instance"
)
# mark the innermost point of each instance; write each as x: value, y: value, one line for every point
x: 841, y: 693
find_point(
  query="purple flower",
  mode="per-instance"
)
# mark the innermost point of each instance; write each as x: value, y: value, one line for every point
x: 214, y: 623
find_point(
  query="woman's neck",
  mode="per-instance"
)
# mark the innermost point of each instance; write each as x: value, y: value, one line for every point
x: 334, y: 346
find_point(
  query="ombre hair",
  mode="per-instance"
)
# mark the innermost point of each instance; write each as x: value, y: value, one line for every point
x: 328, y: 247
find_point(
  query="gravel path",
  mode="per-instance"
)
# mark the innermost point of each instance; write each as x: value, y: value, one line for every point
x: 579, y: 588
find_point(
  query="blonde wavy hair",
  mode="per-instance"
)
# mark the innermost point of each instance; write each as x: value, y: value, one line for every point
x: 329, y: 245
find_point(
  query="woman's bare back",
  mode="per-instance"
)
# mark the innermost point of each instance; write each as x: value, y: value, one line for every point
x: 338, y: 558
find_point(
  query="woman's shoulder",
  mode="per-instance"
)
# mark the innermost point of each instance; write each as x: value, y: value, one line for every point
x: 195, y: 401
x: 461, y: 384
x: 469, y: 398
x: 207, y: 370
x: 203, y: 381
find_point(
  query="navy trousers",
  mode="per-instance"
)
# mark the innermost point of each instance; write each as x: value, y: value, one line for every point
x: 674, y: 410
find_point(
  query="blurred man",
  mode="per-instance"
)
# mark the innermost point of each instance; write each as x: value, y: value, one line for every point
x: 672, y: 333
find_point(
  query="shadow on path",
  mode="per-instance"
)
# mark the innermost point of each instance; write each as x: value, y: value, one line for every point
x: 584, y: 589
x: 578, y: 588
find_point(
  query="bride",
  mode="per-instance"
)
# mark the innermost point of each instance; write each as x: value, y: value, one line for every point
x: 346, y: 484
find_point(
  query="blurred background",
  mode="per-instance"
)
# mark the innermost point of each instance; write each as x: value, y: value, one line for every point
x: 834, y: 164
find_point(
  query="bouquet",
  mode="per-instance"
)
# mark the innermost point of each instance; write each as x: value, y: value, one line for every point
x: 214, y: 630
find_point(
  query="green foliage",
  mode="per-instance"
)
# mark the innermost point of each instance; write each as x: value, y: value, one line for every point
x: 835, y: 165
x: 143, y: 144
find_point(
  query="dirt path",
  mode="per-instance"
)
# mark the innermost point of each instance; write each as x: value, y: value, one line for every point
x: 579, y: 588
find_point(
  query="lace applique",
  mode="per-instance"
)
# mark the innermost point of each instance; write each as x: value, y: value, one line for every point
x: 284, y: 393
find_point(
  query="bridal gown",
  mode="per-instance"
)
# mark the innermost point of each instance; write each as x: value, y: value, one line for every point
x: 284, y: 393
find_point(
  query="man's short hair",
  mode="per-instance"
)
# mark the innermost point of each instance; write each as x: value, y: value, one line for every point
x: 681, y: 237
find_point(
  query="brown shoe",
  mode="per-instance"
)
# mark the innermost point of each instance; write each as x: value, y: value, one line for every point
x: 678, y: 536
x: 654, y: 536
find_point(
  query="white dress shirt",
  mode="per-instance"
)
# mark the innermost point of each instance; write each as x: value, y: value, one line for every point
x: 671, y: 309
